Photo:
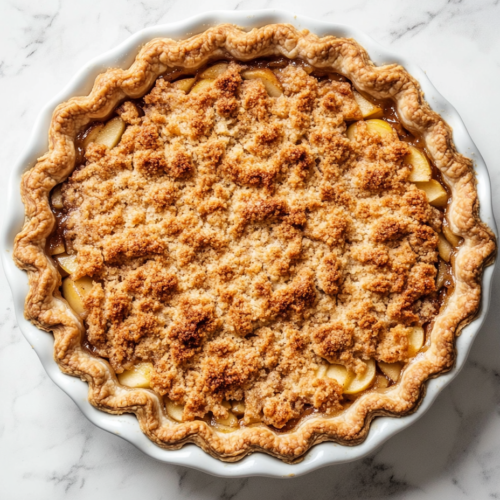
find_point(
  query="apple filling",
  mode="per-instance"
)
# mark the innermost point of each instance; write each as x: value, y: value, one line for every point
x: 244, y: 240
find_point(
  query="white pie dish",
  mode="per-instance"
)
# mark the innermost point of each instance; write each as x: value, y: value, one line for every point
x: 126, y: 426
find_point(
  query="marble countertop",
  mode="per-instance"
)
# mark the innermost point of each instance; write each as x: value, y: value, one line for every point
x: 47, y: 447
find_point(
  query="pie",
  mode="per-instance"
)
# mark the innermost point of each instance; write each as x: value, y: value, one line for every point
x: 254, y: 241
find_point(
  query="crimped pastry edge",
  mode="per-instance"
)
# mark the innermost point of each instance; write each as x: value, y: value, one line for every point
x: 46, y: 309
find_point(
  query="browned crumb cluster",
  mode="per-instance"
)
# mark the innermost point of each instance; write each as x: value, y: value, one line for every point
x: 239, y: 241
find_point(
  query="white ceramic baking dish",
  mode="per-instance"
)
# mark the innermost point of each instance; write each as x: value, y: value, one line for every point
x: 126, y: 426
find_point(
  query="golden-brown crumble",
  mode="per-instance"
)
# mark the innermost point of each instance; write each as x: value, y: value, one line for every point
x: 246, y: 239
x: 226, y: 220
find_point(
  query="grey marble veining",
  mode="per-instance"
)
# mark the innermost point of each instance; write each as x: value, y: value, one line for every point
x: 49, y: 450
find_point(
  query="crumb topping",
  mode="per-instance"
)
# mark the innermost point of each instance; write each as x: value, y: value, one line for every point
x: 239, y: 241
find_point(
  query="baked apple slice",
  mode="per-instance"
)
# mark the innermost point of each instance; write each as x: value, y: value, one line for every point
x: 340, y: 374
x: 185, y: 84
x: 420, y: 168
x: 214, y: 71
x: 268, y: 78
x: 381, y: 382
x: 362, y: 381
x: 238, y: 408
x: 391, y: 370
x: 450, y: 235
x: 57, y: 249
x: 376, y: 126
x: 444, y: 248
x: 92, y: 135
x: 75, y: 291
x: 380, y: 127
x: 111, y: 133
x: 368, y: 110
x: 415, y: 340
x: 443, y: 274
x: 436, y: 194
x: 174, y: 410
x: 67, y: 262
x: 228, y: 424
x: 139, y: 376
x: 201, y: 85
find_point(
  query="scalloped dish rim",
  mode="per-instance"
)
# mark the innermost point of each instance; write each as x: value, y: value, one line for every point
x: 126, y: 425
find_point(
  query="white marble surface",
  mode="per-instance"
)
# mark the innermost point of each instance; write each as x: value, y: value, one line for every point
x: 49, y: 450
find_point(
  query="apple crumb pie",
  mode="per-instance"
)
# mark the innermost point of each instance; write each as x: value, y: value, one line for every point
x: 254, y: 241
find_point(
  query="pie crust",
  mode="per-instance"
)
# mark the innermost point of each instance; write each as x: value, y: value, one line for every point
x: 45, y: 308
